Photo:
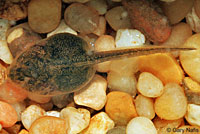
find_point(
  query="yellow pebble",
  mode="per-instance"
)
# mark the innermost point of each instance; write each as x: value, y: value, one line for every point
x: 120, y: 107
x: 23, y: 131
x: 191, y: 84
x: 99, y: 124
x: 172, y: 104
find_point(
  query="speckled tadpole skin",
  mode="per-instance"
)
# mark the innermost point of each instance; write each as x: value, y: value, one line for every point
x: 63, y: 63
x: 46, y: 68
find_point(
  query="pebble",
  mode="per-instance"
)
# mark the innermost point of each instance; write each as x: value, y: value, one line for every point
x: 149, y: 85
x: 117, y: 130
x: 63, y: 100
x: 99, y: 124
x: 193, y: 114
x: 5, y: 53
x: 120, y: 107
x: 19, y: 108
x: 99, y: 5
x: 38, y: 98
x: 122, y: 82
x: 129, y: 37
x: 141, y: 125
x: 172, y: 104
x: 62, y: 28
x: 163, y: 125
x: 93, y: 95
x: 30, y: 114
x: 78, y: 119
x: 104, y: 43
x: 71, y: 1
x: 145, y: 106
x: 53, y: 113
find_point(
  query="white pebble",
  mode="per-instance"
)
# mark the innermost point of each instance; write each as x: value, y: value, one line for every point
x: 78, y: 119
x: 94, y: 95
x: 5, y: 53
x: 30, y: 114
x: 62, y: 28
x: 129, y: 37
x: 53, y: 113
x: 99, y: 124
x: 140, y: 125
x: 149, y: 85
x: 193, y: 114
x: 193, y: 20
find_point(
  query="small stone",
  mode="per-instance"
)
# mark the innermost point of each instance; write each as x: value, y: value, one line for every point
x: 30, y: 114
x: 145, y: 106
x: 129, y: 37
x: 53, y: 113
x: 99, y: 124
x: 62, y: 28
x: 78, y: 119
x: 193, y: 114
x: 80, y: 1
x: 117, y: 130
x: 63, y: 100
x: 93, y: 95
x: 5, y: 53
x: 120, y: 107
x: 141, y: 125
x: 19, y: 108
x: 99, y: 5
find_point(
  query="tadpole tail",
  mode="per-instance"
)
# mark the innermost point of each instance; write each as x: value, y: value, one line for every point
x: 138, y: 51
x: 98, y: 57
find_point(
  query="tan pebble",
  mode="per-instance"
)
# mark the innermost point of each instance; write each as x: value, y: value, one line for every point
x: 5, y: 53
x: 93, y: 95
x: 190, y: 60
x: 172, y: 104
x: 30, y: 114
x: 120, y: 107
x: 193, y: 20
x: 4, y: 26
x: 187, y: 129
x: 125, y: 66
x: 141, y: 125
x: 38, y: 98
x: 122, y: 82
x: 145, y: 106
x: 101, y: 29
x: 191, y: 84
x: 62, y: 28
x: 19, y: 108
x: 104, y: 43
x: 193, y: 114
x: 100, y: 5
x: 78, y: 119
x: 99, y: 124
x: 149, y: 85
x: 163, y: 125
x: 80, y: 1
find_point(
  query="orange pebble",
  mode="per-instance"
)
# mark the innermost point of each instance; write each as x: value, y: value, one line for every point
x: 8, y: 115
x: 162, y: 65
x: 120, y: 107
x: 48, y: 125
